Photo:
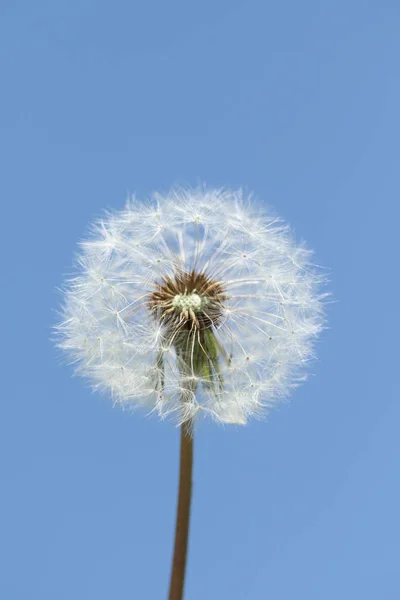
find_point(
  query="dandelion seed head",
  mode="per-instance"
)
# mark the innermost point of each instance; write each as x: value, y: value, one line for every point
x: 196, y: 302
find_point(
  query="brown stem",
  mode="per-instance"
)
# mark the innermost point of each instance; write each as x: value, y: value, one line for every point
x: 182, y: 515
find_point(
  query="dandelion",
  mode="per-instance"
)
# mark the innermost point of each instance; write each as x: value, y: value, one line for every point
x: 197, y: 303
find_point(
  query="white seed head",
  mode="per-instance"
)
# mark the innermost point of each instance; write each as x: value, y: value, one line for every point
x: 194, y: 303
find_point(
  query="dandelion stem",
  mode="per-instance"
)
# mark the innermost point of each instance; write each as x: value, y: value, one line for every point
x: 182, y: 515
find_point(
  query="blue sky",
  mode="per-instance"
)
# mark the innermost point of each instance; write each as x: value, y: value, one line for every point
x: 297, y: 101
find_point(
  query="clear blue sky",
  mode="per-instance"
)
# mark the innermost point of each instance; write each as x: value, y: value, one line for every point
x: 298, y: 101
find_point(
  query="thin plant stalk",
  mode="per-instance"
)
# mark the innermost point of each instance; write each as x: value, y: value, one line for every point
x: 178, y: 569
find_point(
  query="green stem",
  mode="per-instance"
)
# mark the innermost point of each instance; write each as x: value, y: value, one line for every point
x: 183, y: 515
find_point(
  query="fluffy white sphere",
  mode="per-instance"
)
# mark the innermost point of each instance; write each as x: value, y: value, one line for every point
x: 196, y: 302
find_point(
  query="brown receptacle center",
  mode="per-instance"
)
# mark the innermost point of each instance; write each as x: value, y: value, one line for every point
x: 189, y: 299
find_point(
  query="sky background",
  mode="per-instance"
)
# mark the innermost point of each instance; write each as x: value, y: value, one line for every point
x: 298, y: 102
